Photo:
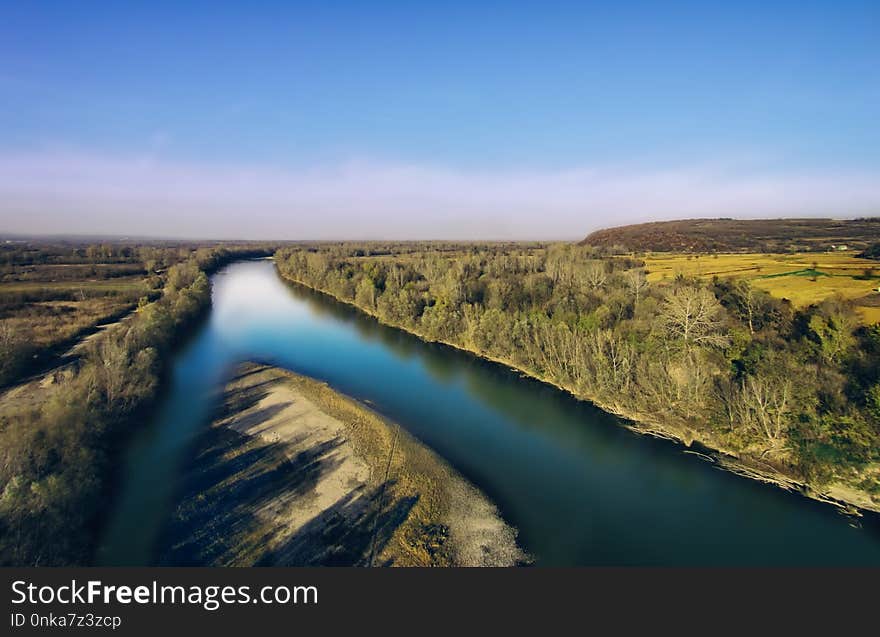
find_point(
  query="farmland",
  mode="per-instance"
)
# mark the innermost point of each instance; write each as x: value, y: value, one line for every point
x: 50, y: 296
x: 802, y: 278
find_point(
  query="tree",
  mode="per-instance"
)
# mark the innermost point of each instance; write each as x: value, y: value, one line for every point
x: 182, y: 275
x: 110, y: 358
x: 872, y: 400
x: 636, y: 283
x: 832, y: 326
x: 365, y: 295
x: 693, y: 315
x: 746, y: 294
x: 765, y: 406
x: 612, y: 361
x: 595, y: 274
x: 754, y: 307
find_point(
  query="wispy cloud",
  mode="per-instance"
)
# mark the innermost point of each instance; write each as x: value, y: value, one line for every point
x: 64, y: 191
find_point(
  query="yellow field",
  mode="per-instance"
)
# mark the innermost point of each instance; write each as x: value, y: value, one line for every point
x: 802, y: 278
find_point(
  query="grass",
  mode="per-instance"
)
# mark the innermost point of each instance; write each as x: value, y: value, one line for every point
x: 51, y: 311
x: 122, y: 284
x: 53, y: 322
x: 802, y: 278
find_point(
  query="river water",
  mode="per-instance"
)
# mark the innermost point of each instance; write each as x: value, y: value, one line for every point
x: 581, y: 489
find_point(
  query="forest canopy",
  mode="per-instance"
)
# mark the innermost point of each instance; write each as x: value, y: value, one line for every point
x: 790, y: 391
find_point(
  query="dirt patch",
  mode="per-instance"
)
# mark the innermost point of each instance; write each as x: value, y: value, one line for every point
x: 293, y: 473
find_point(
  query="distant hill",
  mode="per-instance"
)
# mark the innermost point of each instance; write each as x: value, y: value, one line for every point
x: 743, y: 235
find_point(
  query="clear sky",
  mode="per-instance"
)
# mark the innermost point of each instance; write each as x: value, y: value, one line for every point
x: 432, y: 119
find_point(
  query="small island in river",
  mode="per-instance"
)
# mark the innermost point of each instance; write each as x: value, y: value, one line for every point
x: 291, y: 472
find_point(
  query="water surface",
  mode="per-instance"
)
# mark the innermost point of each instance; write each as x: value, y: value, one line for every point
x: 580, y: 488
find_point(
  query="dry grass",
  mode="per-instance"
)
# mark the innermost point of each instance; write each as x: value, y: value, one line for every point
x: 803, y: 278
x: 51, y: 322
x: 120, y: 285
x: 53, y: 303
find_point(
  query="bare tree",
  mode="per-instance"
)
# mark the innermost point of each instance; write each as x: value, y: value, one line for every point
x: 612, y: 360
x: 689, y: 377
x: 636, y: 283
x: 595, y: 274
x: 727, y: 395
x: 749, y: 302
x: 112, y: 364
x: 765, y: 406
x: 693, y: 315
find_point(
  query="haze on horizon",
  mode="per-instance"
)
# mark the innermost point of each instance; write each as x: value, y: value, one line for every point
x: 500, y: 121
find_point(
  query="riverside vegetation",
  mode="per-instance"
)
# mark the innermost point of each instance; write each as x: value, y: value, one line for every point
x: 790, y: 395
x: 51, y: 295
x: 54, y: 294
x: 56, y: 450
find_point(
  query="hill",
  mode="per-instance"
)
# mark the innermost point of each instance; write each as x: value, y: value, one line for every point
x: 742, y: 235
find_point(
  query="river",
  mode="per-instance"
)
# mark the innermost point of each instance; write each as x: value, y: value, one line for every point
x: 581, y: 489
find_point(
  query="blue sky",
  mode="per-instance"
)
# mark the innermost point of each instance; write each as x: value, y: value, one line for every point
x: 407, y: 119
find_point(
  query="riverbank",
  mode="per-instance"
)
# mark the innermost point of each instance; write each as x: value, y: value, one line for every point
x: 291, y: 472
x: 78, y: 419
x: 845, y: 496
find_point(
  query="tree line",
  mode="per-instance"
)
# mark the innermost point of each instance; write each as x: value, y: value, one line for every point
x: 789, y: 390
x: 57, y: 457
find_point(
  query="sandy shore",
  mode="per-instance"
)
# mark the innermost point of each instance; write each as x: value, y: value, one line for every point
x: 293, y: 473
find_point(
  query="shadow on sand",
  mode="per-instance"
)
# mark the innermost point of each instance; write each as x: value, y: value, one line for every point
x: 230, y: 509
